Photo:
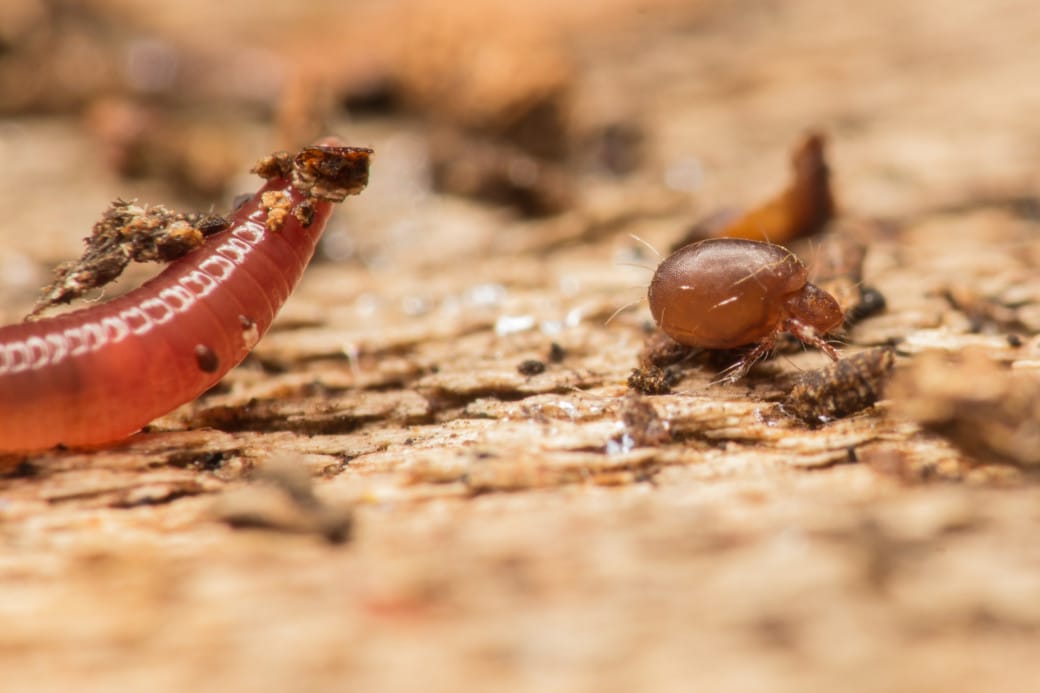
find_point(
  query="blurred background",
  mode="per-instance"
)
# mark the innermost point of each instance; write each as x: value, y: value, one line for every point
x: 489, y: 112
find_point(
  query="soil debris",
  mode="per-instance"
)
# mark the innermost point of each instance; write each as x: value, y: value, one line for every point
x: 651, y: 380
x: 129, y: 232
x: 531, y: 367
x: 328, y: 172
x: 556, y: 353
x: 278, y: 206
x: 126, y: 233
x: 840, y: 389
x: 800, y: 210
x: 324, y: 171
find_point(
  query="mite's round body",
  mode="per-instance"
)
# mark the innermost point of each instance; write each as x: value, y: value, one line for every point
x: 99, y: 374
x: 726, y: 292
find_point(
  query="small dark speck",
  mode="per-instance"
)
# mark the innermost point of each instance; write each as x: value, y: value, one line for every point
x: 871, y: 302
x: 1014, y: 340
x: 531, y: 367
x: 212, y: 224
x: 199, y: 461
x: 209, y: 461
x: 206, y: 358
x: 23, y: 470
x: 304, y: 213
x: 556, y: 353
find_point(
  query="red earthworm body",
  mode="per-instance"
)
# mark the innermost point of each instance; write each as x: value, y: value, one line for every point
x: 96, y: 375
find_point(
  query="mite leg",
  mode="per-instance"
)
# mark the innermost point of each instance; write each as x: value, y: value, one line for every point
x: 739, y: 369
x: 806, y: 334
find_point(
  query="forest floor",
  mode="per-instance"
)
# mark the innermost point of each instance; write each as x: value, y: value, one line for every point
x: 381, y: 498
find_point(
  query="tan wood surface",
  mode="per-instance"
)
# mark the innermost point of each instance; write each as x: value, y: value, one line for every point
x: 512, y: 532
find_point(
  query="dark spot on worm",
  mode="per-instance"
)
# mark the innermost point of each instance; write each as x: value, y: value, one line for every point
x: 206, y: 358
x: 211, y: 224
x: 531, y: 367
x: 1014, y: 340
x: 246, y: 322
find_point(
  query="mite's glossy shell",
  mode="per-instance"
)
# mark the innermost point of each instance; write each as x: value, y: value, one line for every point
x: 726, y: 292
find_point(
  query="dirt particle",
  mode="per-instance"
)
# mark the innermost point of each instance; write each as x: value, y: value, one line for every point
x: 304, y: 213
x: 127, y: 233
x: 840, y: 389
x: 871, y: 302
x: 651, y: 380
x: 531, y: 367
x: 278, y: 205
x: 331, y: 173
x: 277, y: 165
x: 556, y: 353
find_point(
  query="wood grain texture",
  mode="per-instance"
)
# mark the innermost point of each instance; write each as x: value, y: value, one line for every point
x: 507, y: 535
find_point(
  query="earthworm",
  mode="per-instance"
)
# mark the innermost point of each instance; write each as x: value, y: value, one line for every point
x: 97, y: 375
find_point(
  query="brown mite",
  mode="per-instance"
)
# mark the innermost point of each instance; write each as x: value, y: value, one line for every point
x: 724, y: 293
